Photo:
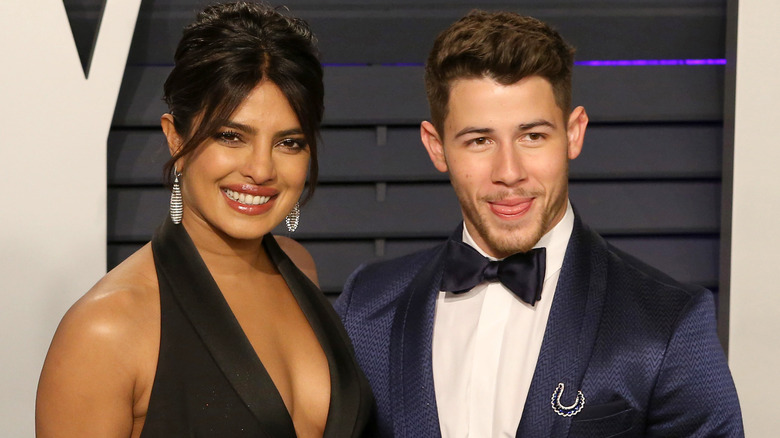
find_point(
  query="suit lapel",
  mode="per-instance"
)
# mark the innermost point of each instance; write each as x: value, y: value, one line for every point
x: 411, y: 370
x: 569, y: 335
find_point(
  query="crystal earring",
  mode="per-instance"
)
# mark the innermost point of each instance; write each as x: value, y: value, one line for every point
x: 176, y: 204
x: 293, y: 218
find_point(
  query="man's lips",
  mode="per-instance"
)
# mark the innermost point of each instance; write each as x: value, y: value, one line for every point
x: 511, y: 207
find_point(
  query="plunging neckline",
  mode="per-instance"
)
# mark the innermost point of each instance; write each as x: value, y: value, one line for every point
x: 201, y: 300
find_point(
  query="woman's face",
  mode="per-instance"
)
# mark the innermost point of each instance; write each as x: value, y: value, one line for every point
x: 246, y: 178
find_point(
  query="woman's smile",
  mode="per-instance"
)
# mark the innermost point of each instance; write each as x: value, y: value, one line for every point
x: 249, y: 204
x: 246, y: 198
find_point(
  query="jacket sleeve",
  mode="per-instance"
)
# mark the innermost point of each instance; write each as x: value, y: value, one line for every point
x: 695, y: 394
x: 342, y: 302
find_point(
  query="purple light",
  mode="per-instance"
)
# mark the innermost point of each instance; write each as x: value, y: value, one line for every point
x: 404, y: 64
x: 345, y: 64
x: 649, y: 62
x: 593, y: 63
x: 358, y: 64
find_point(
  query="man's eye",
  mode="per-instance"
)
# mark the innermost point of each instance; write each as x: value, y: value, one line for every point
x: 479, y: 141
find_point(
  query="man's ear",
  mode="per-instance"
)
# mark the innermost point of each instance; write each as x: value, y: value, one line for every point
x: 575, y: 131
x: 174, y: 139
x: 433, y: 144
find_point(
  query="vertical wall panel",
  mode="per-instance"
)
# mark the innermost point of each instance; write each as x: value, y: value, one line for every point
x: 54, y: 120
x: 373, y: 53
x: 754, y: 353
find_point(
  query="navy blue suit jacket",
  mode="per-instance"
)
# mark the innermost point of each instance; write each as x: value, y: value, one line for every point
x: 640, y: 346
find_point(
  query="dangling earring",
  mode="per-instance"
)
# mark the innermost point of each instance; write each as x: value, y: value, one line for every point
x: 293, y: 218
x: 176, y: 205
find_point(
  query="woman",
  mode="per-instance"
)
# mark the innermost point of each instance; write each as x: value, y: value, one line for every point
x: 211, y: 330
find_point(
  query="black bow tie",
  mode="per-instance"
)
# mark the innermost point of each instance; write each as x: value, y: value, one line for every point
x: 522, y: 273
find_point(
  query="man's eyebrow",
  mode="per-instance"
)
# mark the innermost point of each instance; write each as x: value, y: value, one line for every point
x: 473, y: 130
x: 521, y: 127
x: 536, y: 124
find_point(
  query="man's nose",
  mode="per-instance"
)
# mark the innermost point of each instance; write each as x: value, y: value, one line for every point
x: 508, y: 166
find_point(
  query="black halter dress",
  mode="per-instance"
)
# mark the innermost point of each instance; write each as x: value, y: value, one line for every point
x: 209, y: 381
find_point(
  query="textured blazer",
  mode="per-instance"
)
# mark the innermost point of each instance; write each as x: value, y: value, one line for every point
x: 641, y: 347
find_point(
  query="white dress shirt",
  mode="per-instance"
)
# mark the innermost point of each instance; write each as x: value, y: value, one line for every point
x: 485, y: 346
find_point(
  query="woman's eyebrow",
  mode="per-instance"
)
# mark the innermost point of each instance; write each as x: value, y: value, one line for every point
x: 240, y: 126
x: 288, y: 132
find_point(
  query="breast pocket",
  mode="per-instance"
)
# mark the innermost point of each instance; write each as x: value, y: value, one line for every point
x: 607, y: 420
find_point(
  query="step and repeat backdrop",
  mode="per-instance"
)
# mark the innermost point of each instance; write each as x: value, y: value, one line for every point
x: 82, y: 151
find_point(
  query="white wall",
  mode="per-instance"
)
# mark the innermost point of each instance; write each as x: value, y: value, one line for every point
x: 53, y: 129
x: 754, y: 348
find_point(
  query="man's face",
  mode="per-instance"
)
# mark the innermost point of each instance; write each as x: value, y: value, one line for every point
x: 507, y: 151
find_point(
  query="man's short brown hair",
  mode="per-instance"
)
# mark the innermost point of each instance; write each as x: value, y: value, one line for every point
x: 503, y: 46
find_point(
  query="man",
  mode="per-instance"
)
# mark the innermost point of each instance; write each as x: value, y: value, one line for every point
x: 576, y: 339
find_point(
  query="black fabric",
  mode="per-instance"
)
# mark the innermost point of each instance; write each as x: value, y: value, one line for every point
x: 209, y: 381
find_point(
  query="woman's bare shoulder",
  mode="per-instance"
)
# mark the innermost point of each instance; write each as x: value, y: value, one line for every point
x: 126, y: 294
x: 300, y: 256
x: 116, y: 313
x: 103, y: 353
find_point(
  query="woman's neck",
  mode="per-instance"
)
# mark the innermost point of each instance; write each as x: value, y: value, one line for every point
x: 225, y: 255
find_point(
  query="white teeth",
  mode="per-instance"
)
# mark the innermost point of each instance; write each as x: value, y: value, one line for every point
x: 246, y: 198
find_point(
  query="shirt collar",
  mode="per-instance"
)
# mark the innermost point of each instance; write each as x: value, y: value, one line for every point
x: 555, y: 242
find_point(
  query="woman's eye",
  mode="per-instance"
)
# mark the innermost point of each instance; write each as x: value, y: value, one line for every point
x: 228, y: 137
x: 292, y: 144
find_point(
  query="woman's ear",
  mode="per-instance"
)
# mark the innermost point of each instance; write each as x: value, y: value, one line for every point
x: 174, y: 139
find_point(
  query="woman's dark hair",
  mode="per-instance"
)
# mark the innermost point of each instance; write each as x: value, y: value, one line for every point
x: 224, y: 54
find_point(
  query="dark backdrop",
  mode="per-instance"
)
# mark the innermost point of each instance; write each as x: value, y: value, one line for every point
x: 649, y: 177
